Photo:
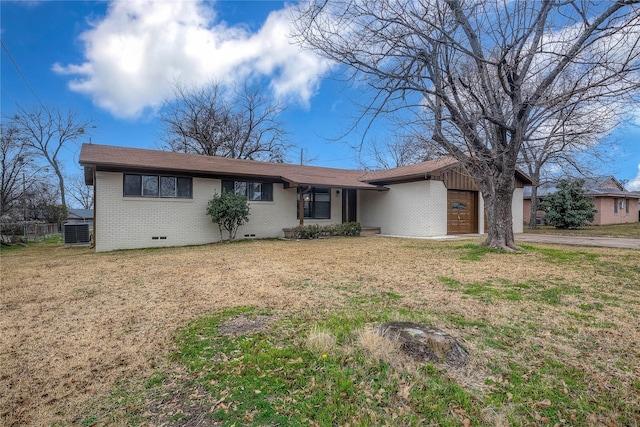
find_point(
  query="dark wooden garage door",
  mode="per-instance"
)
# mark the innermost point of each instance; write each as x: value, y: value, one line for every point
x: 462, y: 212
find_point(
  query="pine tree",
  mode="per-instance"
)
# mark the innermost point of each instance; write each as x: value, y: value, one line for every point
x: 569, y: 207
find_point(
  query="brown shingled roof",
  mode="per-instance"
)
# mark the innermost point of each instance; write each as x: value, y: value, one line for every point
x: 105, y: 157
x: 120, y: 158
x: 418, y: 170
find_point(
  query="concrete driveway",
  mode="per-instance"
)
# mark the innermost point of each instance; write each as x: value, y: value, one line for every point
x: 605, y: 242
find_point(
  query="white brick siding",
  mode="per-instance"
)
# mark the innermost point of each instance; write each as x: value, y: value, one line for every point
x: 132, y: 222
x: 408, y: 209
x: 419, y: 209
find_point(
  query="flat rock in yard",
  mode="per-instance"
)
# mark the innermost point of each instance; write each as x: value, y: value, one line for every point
x: 426, y: 343
x: 244, y: 325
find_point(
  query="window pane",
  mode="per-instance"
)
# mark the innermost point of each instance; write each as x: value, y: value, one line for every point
x: 255, y: 191
x: 462, y: 206
x: 184, y: 188
x: 322, y: 194
x: 132, y: 185
x: 150, y: 186
x: 168, y: 186
x: 227, y: 187
x: 323, y: 210
x: 241, y: 188
x: 267, y: 192
x: 454, y: 206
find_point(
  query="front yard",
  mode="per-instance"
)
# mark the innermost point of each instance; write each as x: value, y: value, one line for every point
x: 630, y: 230
x: 279, y: 333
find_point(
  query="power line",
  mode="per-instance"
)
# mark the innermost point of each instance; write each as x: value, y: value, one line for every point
x: 15, y: 64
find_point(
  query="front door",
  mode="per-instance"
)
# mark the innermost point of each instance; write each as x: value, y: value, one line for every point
x: 462, y: 212
x: 349, y: 204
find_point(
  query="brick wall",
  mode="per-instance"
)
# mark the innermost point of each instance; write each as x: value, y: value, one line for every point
x: 606, y: 212
x: 408, y: 209
x: 133, y: 222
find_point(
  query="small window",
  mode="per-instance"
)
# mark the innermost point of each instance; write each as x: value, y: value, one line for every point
x: 454, y: 206
x: 157, y: 186
x: 626, y: 206
x: 149, y: 186
x: 132, y: 185
x: 317, y: 203
x: 240, y: 188
x: 254, y: 191
x: 184, y: 190
x: 168, y: 186
x: 615, y: 205
x: 462, y: 206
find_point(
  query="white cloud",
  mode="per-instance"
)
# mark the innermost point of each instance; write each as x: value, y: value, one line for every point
x: 634, y: 184
x: 134, y: 55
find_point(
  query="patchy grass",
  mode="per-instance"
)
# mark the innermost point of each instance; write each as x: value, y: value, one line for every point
x: 283, y: 333
x: 630, y: 230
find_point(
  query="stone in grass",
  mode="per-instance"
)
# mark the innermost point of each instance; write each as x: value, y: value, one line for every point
x: 426, y: 343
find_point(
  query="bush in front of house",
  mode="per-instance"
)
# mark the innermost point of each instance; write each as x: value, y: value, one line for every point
x: 229, y: 211
x: 315, y: 231
x: 350, y: 229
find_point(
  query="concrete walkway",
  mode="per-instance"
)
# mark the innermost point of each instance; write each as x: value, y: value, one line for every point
x: 604, y: 242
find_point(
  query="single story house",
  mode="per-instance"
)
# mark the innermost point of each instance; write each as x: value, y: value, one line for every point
x: 614, y: 204
x: 146, y: 198
x: 82, y: 215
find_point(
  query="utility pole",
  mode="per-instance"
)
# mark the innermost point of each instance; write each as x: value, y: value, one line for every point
x: 24, y: 205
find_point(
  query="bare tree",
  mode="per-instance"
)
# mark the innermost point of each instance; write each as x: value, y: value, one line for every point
x: 214, y: 121
x: 45, y: 131
x: 480, y: 71
x: 402, y: 150
x: 566, y: 143
x: 13, y: 160
x: 81, y: 193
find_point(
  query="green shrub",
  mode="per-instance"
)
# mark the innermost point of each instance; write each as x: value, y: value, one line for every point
x: 229, y: 211
x: 569, y: 207
x: 315, y: 231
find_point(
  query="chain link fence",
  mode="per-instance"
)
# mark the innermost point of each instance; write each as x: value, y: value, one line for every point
x: 26, y: 231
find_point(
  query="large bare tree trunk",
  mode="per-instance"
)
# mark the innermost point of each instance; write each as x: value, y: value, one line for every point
x: 498, y: 201
x: 533, y: 220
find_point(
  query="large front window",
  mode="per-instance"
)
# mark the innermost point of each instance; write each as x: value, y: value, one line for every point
x: 317, y: 203
x: 157, y: 186
x: 254, y: 191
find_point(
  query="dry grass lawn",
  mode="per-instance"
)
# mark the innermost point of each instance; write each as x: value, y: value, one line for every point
x: 73, y: 323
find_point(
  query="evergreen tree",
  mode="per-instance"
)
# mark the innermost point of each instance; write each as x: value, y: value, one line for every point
x: 569, y: 207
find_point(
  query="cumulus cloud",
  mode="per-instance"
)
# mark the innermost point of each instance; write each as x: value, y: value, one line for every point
x: 135, y: 54
x: 634, y: 184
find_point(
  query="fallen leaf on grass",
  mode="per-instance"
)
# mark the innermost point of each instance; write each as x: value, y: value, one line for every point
x: 543, y: 404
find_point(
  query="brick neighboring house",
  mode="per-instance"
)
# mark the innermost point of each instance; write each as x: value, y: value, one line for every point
x: 147, y: 198
x: 614, y: 204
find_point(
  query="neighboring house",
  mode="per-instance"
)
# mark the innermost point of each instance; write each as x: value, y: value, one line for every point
x: 614, y: 204
x: 146, y: 198
x: 84, y: 215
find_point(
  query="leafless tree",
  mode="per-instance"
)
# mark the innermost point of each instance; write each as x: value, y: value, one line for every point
x: 81, y: 193
x: 45, y: 131
x: 402, y: 150
x: 568, y: 142
x: 215, y: 121
x: 13, y: 160
x: 481, y: 71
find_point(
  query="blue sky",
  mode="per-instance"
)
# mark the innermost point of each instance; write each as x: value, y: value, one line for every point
x: 115, y: 62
